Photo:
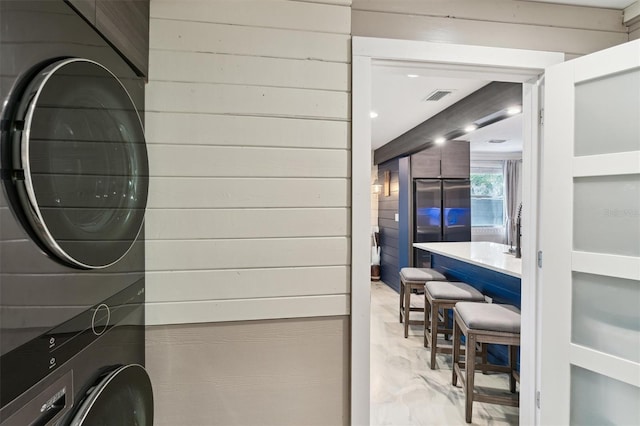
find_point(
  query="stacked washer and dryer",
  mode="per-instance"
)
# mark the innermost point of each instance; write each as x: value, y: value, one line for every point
x: 74, y: 191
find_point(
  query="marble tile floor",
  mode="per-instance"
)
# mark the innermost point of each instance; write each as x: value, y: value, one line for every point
x: 404, y: 390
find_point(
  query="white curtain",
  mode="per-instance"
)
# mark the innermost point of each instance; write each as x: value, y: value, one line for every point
x: 512, y: 197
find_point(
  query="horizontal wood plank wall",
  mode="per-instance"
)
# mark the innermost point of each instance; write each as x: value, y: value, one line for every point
x: 278, y: 372
x: 573, y: 30
x: 387, y: 208
x: 634, y: 31
x: 248, y: 131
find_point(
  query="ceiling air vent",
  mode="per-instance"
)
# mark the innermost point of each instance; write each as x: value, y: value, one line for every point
x: 437, y: 95
x: 497, y: 140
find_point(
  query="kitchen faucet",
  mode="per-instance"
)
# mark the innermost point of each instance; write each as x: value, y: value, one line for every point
x: 518, y: 251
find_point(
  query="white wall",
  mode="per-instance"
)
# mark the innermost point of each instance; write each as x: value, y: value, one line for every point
x: 498, y: 23
x: 247, y: 122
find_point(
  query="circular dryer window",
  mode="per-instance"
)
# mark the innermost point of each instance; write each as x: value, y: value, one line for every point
x: 122, y: 397
x: 80, y: 152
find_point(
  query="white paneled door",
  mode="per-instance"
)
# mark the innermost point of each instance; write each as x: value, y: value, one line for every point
x: 590, y: 298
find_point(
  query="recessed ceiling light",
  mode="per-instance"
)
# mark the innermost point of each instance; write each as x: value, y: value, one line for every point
x: 440, y: 140
x: 514, y: 110
x: 373, y: 114
x: 413, y: 75
x: 470, y: 128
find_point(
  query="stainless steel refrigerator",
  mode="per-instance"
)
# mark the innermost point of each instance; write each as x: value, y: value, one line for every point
x: 441, y: 212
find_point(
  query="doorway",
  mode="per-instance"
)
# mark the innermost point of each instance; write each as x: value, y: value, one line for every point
x: 473, y: 62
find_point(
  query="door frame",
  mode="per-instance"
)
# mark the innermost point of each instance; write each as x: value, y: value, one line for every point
x: 478, y: 62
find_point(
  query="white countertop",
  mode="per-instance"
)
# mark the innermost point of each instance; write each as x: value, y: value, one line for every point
x: 484, y: 254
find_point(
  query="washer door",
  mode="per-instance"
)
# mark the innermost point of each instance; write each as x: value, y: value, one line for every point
x: 122, y: 397
x: 80, y: 165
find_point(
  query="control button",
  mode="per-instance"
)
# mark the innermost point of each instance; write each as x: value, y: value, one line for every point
x: 100, y: 320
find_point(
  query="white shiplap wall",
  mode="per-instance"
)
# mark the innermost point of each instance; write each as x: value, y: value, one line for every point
x: 634, y: 31
x: 574, y: 30
x: 247, y: 121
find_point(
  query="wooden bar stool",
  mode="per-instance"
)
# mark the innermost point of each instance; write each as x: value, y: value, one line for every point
x: 485, y: 323
x: 414, y: 279
x: 443, y: 295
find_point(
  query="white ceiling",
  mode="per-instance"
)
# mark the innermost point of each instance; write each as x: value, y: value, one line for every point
x: 509, y: 130
x: 398, y: 100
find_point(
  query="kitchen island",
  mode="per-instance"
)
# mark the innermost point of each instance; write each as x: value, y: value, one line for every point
x: 492, y: 256
x: 485, y: 266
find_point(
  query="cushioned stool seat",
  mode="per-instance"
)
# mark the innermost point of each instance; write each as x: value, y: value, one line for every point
x: 443, y: 295
x: 490, y: 316
x: 413, y: 279
x: 453, y: 290
x: 485, y: 323
x: 421, y: 274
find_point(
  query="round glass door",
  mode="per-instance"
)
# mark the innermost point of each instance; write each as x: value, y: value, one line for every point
x: 80, y: 147
x: 122, y: 397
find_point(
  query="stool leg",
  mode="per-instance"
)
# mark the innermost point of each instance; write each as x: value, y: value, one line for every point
x: 470, y: 364
x: 434, y: 334
x: 456, y: 353
x: 427, y: 316
x: 407, y: 309
x: 401, y: 300
x: 445, y: 316
x: 485, y: 361
x: 513, y: 358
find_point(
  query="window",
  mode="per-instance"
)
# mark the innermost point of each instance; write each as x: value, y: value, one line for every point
x: 487, y: 194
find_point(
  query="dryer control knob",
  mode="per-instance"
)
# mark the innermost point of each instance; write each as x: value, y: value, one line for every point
x: 100, y: 320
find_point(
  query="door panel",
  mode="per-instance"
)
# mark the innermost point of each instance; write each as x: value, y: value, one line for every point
x: 428, y: 211
x: 604, y: 315
x: 456, y: 221
x: 601, y: 129
x: 599, y: 400
x: 605, y: 214
x: 590, y: 295
x: 427, y: 217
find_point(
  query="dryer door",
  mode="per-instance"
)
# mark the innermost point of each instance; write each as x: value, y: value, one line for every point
x: 80, y: 167
x: 122, y: 397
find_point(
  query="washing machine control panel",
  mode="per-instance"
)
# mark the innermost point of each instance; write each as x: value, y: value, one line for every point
x: 27, y: 364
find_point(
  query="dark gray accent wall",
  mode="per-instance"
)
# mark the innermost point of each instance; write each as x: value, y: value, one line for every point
x: 389, y: 236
